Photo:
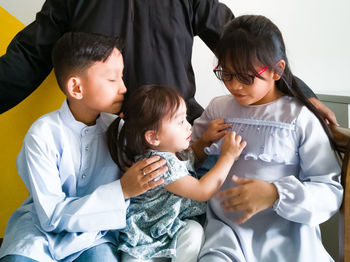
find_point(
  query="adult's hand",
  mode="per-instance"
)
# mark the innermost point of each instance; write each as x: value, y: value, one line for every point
x: 327, y: 114
x: 140, y: 176
x: 250, y: 196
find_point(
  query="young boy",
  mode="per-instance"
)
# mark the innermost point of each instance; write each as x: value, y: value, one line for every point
x: 75, y: 195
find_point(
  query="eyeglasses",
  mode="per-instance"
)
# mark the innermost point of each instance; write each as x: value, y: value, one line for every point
x: 245, y: 79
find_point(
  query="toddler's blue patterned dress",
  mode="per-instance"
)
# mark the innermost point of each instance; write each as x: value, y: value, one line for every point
x: 154, y: 218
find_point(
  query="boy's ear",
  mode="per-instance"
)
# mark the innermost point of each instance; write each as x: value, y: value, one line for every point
x: 281, y: 66
x: 74, y: 88
x: 151, y: 138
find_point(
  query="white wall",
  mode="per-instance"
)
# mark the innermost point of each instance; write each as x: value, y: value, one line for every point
x: 316, y: 34
x: 24, y: 10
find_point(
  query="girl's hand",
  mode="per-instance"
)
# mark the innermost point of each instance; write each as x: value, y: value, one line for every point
x: 216, y: 130
x: 139, y: 177
x: 250, y: 196
x: 232, y: 145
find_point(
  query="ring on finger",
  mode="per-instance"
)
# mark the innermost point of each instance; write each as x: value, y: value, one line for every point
x: 143, y: 172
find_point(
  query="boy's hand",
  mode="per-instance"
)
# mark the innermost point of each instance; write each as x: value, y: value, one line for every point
x: 232, y: 146
x: 250, y: 196
x: 216, y: 130
x: 139, y: 177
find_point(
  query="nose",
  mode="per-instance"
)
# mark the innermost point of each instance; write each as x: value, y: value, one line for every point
x: 122, y: 89
x: 234, y: 85
x: 189, y: 127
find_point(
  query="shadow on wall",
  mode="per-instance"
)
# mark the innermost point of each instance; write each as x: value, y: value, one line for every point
x: 14, y: 125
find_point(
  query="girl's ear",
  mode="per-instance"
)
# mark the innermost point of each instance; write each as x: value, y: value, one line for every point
x: 151, y: 138
x: 278, y: 73
x: 74, y: 88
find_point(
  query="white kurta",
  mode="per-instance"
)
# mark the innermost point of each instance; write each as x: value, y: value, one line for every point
x: 74, y: 194
x: 287, y: 146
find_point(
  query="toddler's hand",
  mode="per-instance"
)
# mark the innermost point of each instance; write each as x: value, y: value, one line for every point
x: 140, y: 176
x: 250, y: 196
x: 215, y: 131
x: 232, y: 145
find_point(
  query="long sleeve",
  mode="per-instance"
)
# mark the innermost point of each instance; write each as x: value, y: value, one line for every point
x: 316, y: 194
x: 28, y: 58
x: 102, y: 209
x: 209, y: 19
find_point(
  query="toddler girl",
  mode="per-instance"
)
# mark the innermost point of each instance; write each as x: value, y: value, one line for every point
x: 160, y: 223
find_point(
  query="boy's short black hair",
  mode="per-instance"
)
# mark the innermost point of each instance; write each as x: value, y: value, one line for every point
x: 75, y: 52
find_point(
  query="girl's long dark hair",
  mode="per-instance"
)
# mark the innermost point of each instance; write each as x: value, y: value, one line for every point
x: 253, y: 40
x: 144, y: 110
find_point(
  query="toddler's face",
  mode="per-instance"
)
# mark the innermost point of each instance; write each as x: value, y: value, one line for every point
x: 103, y: 85
x: 175, y: 133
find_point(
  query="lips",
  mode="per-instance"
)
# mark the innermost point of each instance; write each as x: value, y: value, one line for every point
x: 239, y: 95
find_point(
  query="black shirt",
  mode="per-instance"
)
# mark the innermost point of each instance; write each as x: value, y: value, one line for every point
x: 158, y: 38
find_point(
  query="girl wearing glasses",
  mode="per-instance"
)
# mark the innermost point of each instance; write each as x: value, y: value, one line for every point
x: 287, y: 179
x: 159, y: 223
